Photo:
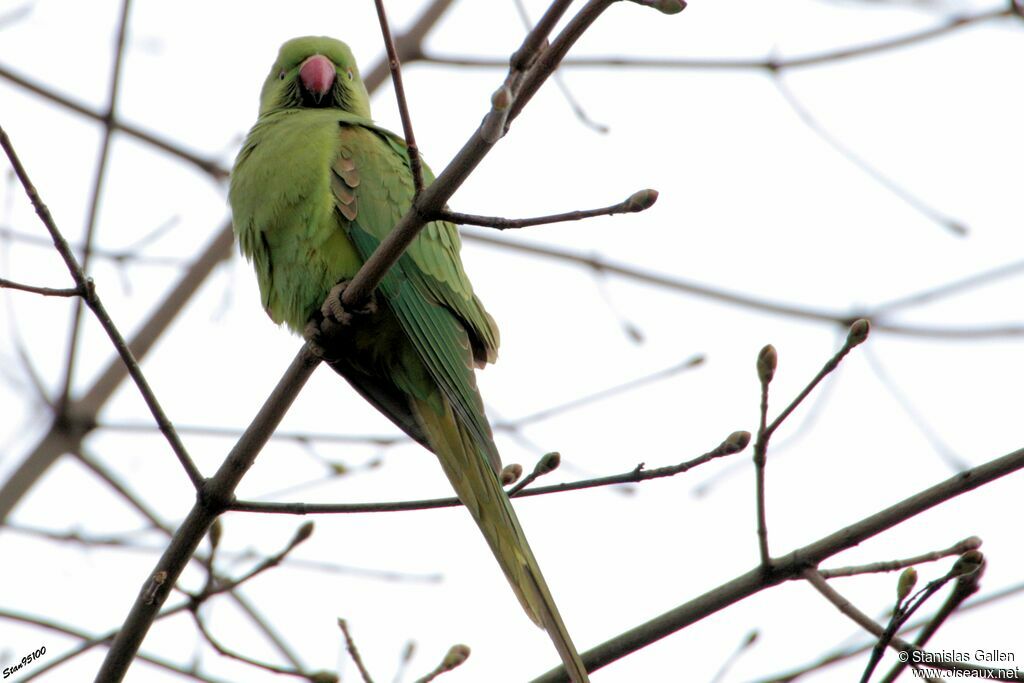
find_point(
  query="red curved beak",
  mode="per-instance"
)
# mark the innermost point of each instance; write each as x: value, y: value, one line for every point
x: 317, y: 74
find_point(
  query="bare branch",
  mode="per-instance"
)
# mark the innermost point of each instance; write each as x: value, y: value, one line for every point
x: 94, y: 204
x: 415, y: 165
x: 68, y: 630
x: 546, y: 465
x: 945, y: 452
x: 353, y: 651
x: 238, y: 656
x: 959, y: 548
x: 214, y: 497
x: 843, y: 653
x: 552, y: 411
x: 734, y: 443
x: 409, y: 45
x: 771, y: 64
x: 433, y: 198
x: 859, y: 331
x: 767, y: 360
x: 672, y: 282
x: 209, y: 166
x: 869, y: 624
x: 93, y: 301
x: 931, y: 213
x: 638, y: 201
x: 791, y: 565
x: 45, y: 291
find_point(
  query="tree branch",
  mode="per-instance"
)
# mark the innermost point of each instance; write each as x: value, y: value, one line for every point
x: 734, y: 443
x: 45, y: 291
x: 638, y: 201
x: 791, y: 565
x: 415, y: 164
x: 959, y: 548
x: 672, y: 282
x: 93, y: 301
x: 214, y: 497
x: 771, y: 64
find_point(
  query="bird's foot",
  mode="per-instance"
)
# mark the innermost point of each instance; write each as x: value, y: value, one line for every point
x: 335, y: 310
x: 328, y: 327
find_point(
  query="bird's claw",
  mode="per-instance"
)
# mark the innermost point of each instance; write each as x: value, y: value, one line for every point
x: 328, y: 327
x: 335, y: 310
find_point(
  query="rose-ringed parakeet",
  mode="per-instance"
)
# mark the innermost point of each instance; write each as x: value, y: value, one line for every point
x: 314, y: 190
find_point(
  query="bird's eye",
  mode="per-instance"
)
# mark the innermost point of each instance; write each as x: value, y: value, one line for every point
x: 348, y: 73
x: 281, y: 75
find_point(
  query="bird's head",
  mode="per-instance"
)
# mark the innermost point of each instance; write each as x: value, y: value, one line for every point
x: 315, y: 72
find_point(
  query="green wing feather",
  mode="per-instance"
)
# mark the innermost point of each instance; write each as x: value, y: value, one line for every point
x: 431, y: 297
x: 427, y: 289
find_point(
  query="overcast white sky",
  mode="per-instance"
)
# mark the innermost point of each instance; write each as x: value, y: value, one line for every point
x: 752, y: 201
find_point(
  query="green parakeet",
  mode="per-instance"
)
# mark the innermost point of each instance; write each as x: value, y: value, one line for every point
x: 314, y: 190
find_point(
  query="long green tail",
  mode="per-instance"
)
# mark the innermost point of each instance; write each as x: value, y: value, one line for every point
x: 478, y: 487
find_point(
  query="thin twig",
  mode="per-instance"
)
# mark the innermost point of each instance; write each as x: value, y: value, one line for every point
x: 556, y: 77
x: 91, y: 299
x: 415, y: 164
x: 963, y: 588
x: 859, y: 331
x: 235, y: 432
x: 126, y: 542
x: 638, y: 201
x: 209, y: 166
x: 930, y: 433
x: 771, y: 63
x: 214, y: 496
x: 546, y: 465
x: 985, y: 277
x: 409, y: 45
x: 844, y: 653
x: 67, y: 630
x: 745, y: 644
x: 558, y: 409
x: 206, y: 562
x: 869, y: 624
x: 212, y: 588
x: 767, y: 360
x: 64, y: 396
x: 959, y: 548
x: 238, y: 656
x: 735, y: 443
x: 673, y: 282
x: 353, y: 651
x: 803, y: 113
x: 120, y: 256
x: 45, y: 291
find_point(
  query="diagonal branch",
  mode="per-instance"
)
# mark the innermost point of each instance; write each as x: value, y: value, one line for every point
x: 790, y: 566
x: 93, y: 301
x: 94, y: 205
x: 395, y: 65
